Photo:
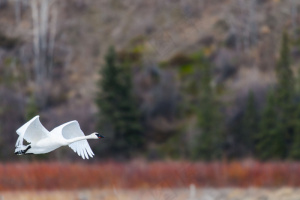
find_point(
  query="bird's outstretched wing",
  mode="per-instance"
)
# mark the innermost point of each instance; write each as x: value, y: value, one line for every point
x: 32, y: 132
x: 72, y: 130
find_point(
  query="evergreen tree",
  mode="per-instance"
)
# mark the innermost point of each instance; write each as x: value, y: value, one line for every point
x: 243, y: 130
x: 209, y: 141
x: 269, y: 140
x: 295, y: 148
x: 249, y: 125
x: 285, y: 93
x: 285, y: 88
x: 277, y: 126
x: 118, y: 110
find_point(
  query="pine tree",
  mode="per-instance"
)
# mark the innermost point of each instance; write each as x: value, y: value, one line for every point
x: 269, y: 140
x: 295, y: 148
x: 208, y: 144
x: 249, y: 125
x: 285, y: 92
x: 285, y: 88
x: 118, y: 110
x: 277, y: 127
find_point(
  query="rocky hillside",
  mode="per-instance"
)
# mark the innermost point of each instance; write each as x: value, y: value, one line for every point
x: 240, y: 37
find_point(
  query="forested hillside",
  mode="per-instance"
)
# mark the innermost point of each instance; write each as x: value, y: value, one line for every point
x: 180, y: 79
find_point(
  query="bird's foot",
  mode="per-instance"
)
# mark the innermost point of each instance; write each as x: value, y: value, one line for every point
x: 19, y: 152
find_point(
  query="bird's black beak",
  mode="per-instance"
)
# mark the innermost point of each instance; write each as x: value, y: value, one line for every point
x: 100, y: 136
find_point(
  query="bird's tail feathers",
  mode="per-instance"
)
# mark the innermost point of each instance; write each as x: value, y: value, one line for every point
x: 20, y: 148
x: 19, y: 142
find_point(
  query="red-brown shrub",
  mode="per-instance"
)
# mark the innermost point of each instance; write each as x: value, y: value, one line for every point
x: 37, y: 176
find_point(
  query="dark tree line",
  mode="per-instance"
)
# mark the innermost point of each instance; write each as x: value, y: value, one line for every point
x: 272, y: 132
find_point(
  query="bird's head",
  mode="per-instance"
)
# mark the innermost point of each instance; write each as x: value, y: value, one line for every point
x: 98, y: 135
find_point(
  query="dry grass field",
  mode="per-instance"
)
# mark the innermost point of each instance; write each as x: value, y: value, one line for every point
x: 159, y: 194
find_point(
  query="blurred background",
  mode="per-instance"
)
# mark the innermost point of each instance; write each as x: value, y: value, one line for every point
x: 206, y: 91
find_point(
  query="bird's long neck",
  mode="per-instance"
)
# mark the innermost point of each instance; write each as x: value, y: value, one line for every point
x: 80, y: 138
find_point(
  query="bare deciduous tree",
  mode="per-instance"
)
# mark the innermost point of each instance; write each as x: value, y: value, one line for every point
x: 18, y: 10
x: 44, y: 16
x: 19, y: 6
x: 243, y: 23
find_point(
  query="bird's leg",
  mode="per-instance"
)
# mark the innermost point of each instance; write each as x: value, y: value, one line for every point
x: 29, y: 146
x: 21, y: 152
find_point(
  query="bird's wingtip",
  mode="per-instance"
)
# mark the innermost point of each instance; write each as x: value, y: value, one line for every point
x: 34, y: 118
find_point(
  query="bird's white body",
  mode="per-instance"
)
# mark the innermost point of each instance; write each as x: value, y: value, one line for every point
x: 42, y: 141
x: 45, y: 146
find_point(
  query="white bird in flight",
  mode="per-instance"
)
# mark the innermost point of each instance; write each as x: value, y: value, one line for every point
x: 42, y: 141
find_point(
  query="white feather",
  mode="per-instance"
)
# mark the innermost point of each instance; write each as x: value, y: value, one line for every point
x: 32, y: 132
